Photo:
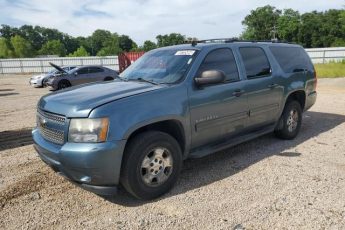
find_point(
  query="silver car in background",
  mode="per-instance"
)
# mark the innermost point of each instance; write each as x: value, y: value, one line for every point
x: 80, y: 75
x: 39, y: 80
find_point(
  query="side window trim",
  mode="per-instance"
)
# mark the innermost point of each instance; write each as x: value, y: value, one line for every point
x: 244, y: 67
x: 235, y: 60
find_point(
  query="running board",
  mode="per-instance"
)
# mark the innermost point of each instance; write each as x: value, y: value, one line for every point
x: 198, y: 153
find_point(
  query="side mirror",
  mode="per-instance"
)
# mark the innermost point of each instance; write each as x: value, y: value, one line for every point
x: 75, y: 74
x: 210, y: 77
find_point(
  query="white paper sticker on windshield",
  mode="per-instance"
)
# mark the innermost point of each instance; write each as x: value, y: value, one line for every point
x: 185, y: 52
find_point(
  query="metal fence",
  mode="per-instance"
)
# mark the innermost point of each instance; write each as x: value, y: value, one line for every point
x: 41, y: 65
x: 325, y: 55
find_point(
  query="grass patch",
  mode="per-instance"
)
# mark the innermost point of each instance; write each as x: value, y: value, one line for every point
x: 330, y: 70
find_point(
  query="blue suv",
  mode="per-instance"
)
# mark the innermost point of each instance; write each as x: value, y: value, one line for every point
x: 173, y: 103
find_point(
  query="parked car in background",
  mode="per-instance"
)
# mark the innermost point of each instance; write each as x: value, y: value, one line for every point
x: 173, y: 103
x: 80, y: 75
x: 39, y: 80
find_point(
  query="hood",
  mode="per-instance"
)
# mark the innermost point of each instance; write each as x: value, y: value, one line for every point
x: 57, y: 67
x: 80, y: 101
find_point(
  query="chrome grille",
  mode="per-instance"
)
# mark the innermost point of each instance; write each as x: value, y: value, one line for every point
x: 52, y: 117
x: 51, y: 126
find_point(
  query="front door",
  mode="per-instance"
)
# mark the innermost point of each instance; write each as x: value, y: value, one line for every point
x: 81, y: 76
x: 218, y: 111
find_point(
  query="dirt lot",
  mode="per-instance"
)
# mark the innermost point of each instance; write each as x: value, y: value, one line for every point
x: 263, y: 184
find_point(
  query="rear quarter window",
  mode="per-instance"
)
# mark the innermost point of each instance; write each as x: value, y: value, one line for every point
x: 291, y: 59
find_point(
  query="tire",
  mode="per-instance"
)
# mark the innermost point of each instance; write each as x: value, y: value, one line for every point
x: 108, y: 79
x: 290, y: 121
x: 145, y: 171
x: 64, y: 84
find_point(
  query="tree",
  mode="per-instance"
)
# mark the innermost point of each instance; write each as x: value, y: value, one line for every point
x: 288, y: 25
x: 170, y: 39
x: 260, y: 23
x: 149, y: 45
x: 111, y: 46
x: 21, y: 47
x: 80, y: 52
x: 5, y: 50
x: 97, y: 40
x: 53, y: 47
x: 126, y: 43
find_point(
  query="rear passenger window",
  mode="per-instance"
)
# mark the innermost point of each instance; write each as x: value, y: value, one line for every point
x: 255, y: 62
x: 223, y: 60
x: 95, y: 70
x: 291, y: 59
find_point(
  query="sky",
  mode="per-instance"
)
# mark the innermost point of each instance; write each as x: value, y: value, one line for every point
x: 145, y: 19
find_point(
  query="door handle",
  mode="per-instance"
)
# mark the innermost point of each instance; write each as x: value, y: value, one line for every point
x: 238, y: 92
x: 272, y: 86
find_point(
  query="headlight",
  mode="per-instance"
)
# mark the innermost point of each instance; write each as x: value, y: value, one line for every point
x: 88, y: 130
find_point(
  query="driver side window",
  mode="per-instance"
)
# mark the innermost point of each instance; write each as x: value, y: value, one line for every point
x: 221, y: 59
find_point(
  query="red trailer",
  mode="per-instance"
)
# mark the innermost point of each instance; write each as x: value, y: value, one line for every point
x: 127, y: 58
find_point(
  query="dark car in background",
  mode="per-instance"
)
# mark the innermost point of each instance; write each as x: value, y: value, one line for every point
x: 80, y: 75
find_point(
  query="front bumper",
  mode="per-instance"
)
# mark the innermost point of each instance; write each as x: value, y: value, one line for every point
x: 93, y: 166
x: 36, y: 82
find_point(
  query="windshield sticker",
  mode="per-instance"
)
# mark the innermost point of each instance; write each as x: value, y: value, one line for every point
x: 185, y: 52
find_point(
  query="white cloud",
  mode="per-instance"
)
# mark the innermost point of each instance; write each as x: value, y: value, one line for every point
x: 144, y: 19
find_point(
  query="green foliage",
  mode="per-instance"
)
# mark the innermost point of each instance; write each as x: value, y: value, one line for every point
x: 170, y: 39
x: 110, y: 46
x: 53, y: 47
x: 288, y: 25
x: 80, y: 52
x: 261, y: 22
x: 125, y: 43
x: 311, y: 29
x: 5, y: 50
x: 149, y: 45
x: 21, y: 47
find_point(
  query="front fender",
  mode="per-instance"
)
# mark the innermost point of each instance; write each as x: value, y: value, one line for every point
x: 128, y: 114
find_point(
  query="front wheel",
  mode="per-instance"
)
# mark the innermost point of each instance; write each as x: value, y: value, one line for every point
x: 63, y: 84
x: 151, y: 164
x: 290, y: 121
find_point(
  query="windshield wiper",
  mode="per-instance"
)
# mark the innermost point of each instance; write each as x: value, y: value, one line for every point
x: 144, y: 80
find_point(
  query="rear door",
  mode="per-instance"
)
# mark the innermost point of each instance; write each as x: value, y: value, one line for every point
x: 218, y: 111
x: 262, y: 86
x: 96, y: 74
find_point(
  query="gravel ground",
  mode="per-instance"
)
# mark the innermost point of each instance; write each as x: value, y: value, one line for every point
x: 262, y: 184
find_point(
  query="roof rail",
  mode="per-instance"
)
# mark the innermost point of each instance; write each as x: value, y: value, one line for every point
x: 230, y: 40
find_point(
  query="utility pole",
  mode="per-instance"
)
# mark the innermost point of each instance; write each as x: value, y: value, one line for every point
x: 274, y: 32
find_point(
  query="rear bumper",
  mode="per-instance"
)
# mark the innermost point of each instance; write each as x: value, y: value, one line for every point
x: 310, y: 100
x: 94, y: 167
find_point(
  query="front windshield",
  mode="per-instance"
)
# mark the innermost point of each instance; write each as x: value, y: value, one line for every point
x: 160, y: 66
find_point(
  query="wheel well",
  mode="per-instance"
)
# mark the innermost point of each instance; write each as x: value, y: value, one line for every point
x: 65, y: 80
x: 298, y: 96
x: 171, y: 127
x: 108, y: 78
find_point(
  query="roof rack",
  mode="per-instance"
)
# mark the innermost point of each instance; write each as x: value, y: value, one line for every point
x: 230, y: 40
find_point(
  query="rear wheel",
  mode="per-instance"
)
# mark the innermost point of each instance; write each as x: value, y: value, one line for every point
x: 290, y: 121
x: 151, y: 164
x: 108, y: 79
x: 63, y: 84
